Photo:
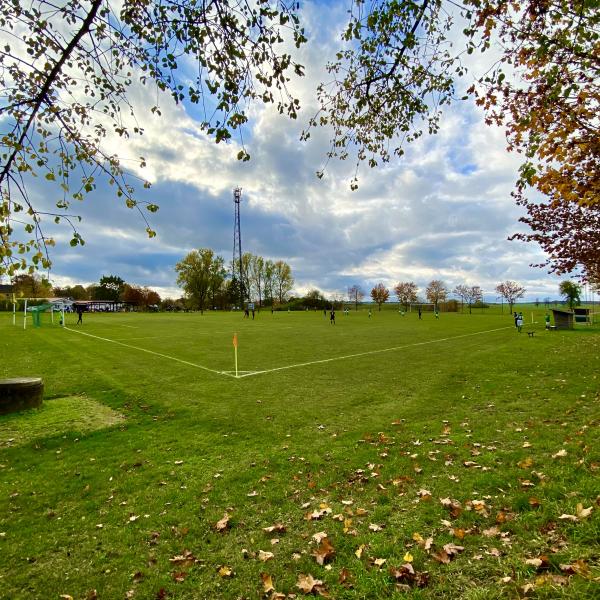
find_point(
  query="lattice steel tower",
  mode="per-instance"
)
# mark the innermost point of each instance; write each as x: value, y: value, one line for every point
x: 237, y: 246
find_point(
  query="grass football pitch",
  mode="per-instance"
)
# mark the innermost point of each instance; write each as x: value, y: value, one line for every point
x: 382, y: 457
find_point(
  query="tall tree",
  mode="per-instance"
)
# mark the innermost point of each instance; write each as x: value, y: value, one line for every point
x: 355, y: 295
x: 195, y: 275
x: 110, y: 287
x: 511, y: 292
x: 571, y: 291
x: 284, y: 282
x: 406, y: 292
x: 269, y: 280
x: 470, y: 294
x: 436, y: 292
x: 31, y: 286
x: 217, y: 275
x: 66, y: 72
x: 257, y: 276
x: 380, y: 294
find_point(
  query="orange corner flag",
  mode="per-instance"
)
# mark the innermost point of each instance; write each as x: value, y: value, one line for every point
x: 235, y: 342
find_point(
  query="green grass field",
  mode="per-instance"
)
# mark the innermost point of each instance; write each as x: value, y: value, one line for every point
x: 450, y: 458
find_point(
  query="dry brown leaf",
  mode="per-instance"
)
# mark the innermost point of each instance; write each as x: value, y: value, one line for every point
x: 491, y: 532
x: 308, y: 584
x: 452, y: 549
x: 183, y: 560
x: 265, y: 556
x: 441, y: 556
x: 325, y: 551
x: 344, y: 578
x: 278, y: 527
x: 565, y: 517
x: 583, y: 513
x: 560, y: 453
x: 319, y: 536
x: 223, y: 524
x: 534, y: 502
x: 178, y: 576
x: 267, y: 583
x: 375, y: 527
x: 525, y: 463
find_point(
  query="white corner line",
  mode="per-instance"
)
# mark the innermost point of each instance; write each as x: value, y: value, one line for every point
x: 179, y: 360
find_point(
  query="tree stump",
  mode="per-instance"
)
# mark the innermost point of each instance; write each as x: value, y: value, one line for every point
x: 20, y: 393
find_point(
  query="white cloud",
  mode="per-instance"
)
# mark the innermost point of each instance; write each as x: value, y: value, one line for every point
x: 442, y: 211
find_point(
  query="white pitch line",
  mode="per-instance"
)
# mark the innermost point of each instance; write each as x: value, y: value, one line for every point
x: 326, y: 360
x: 179, y: 360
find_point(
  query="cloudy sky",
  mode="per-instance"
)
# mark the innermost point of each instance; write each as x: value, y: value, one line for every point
x: 443, y: 211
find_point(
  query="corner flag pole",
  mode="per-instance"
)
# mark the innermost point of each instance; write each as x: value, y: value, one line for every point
x: 235, y: 347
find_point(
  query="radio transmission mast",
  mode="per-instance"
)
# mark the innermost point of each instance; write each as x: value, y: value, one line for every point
x: 237, y: 246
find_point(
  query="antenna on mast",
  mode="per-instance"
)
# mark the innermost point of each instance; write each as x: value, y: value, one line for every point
x: 237, y: 245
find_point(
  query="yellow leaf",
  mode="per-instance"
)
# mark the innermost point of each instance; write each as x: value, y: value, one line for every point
x: 408, y: 557
x: 225, y: 571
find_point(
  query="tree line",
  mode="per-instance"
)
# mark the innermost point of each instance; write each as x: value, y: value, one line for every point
x: 436, y: 292
x: 109, y: 287
x: 207, y: 283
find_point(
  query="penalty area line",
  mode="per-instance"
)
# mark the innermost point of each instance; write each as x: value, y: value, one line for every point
x: 367, y: 353
x: 179, y: 360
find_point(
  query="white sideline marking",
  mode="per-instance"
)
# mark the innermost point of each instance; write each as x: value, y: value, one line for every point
x: 326, y: 360
x: 179, y: 360
x: 242, y: 374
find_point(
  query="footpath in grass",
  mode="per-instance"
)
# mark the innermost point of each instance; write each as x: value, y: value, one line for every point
x: 460, y: 468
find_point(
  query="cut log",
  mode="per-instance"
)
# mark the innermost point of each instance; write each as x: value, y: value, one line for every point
x: 20, y: 393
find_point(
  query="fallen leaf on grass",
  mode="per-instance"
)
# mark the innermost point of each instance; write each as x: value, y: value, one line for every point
x: 378, y: 562
x: 309, y: 585
x: 187, y: 559
x: 66, y: 597
x: 551, y: 579
x: 491, y: 532
x: 424, y: 495
x: 358, y: 552
x: 265, y: 556
x: 565, y: 517
x: 525, y: 463
x: 534, y: 502
x: 223, y: 524
x: 319, y: 536
x: 407, y: 574
x: 225, y: 571
x: 578, y: 567
x: 560, y: 453
x: 325, y: 551
x: 344, y: 578
x: 278, y: 527
x: 375, y: 527
x: 267, y: 583
x: 583, y: 513
x: 179, y: 576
